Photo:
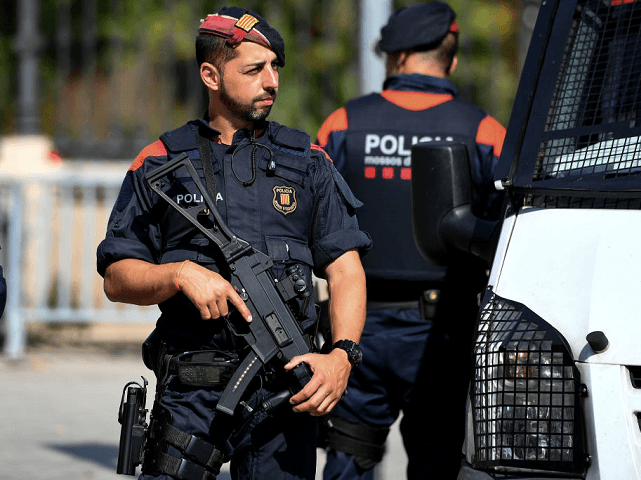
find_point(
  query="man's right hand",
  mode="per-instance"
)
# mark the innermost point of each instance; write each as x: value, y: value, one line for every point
x: 208, y: 291
x: 143, y: 283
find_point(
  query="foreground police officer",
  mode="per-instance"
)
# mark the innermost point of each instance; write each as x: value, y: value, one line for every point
x: 282, y: 195
x: 420, y: 317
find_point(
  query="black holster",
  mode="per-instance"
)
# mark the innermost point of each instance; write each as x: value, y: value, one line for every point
x: 202, y: 459
x: 365, y: 443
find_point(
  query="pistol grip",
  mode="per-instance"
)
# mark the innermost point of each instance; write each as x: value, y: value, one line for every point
x: 302, y: 373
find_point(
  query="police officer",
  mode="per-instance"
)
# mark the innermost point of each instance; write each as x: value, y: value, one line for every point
x: 420, y: 318
x: 280, y: 193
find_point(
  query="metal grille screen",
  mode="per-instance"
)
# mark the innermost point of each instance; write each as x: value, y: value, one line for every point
x: 594, y: 122
x: 525, y: 393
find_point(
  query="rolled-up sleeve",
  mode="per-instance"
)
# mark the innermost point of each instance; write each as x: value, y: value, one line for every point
x: 129, y: 231
x: 335, y: 228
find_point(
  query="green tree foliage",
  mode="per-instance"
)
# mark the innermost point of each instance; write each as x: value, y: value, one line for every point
x: 153, y: 45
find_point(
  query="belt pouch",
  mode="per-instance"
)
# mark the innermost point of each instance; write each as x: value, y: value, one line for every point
x: 203, y: 368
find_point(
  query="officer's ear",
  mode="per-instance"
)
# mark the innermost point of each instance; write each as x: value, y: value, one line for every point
x: 453, y: 65
x: 395, y: 64
x: 401, y: 62
x: 210, y: 76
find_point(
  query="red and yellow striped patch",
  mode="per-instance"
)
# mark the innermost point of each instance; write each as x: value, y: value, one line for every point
x: 246, y: 22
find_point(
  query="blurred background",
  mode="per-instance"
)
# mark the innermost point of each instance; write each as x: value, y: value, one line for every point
x: 84, y: 86
x: 114, y: 74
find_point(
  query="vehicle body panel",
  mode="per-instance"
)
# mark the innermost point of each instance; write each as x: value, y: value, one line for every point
x: 581, y: 271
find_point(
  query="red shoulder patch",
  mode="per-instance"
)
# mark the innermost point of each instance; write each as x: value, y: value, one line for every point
x: 491, y: 132
x: 156, y: 149
x: 335, y: 122
x: 316, y: 147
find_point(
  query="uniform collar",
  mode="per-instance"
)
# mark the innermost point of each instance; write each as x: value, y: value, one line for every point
x: 240, y: 135
x: 271, y: 134
x: 416, y: 82
x: 203, y: 124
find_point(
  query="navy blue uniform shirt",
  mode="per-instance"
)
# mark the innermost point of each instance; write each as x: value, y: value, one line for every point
x: 298, y: 210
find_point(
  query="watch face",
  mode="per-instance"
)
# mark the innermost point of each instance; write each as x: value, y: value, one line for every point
x: 357, y: 355
x: 354, y: 353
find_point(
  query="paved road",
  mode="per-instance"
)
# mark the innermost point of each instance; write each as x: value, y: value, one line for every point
x: 58, y: 417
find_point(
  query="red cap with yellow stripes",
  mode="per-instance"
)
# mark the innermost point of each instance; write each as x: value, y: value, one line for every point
x: 236, y: 24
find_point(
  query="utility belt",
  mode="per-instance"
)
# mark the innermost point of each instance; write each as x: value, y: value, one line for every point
x: 198, y: 368
x: 401, y: 295
x: 206, y: 368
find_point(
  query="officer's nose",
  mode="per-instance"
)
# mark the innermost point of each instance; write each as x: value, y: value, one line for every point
x: 270, y: 81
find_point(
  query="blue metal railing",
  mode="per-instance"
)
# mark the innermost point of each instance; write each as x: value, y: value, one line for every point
x: 53, y: 225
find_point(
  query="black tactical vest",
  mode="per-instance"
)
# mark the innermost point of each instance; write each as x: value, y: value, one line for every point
x: 378, y: 170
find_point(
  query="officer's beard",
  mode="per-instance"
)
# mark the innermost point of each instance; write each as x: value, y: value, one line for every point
x: 245, y: 111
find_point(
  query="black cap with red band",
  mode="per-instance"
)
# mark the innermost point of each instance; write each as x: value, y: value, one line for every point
x: 422, y: 26
x: 236, y: 24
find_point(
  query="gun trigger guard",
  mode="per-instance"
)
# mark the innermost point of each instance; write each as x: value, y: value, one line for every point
x: 249, y: 337
x: 231, y: 326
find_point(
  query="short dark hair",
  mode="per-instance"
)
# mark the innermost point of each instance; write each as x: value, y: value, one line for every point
x: 215, y: 50
x: 444, y: 52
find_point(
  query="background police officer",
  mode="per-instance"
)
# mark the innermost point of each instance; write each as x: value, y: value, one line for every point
x: 282, y: 195
x: 415, y: 359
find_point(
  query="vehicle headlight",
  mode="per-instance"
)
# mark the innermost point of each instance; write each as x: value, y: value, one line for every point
x: 525, y: 394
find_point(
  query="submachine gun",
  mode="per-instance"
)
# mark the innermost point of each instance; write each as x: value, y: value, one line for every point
x: 274, y: 333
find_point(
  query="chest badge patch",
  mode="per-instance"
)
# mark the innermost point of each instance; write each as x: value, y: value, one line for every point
x: 284, y: 199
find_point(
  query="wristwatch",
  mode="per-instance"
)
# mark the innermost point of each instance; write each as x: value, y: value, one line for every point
x: 353, y: 349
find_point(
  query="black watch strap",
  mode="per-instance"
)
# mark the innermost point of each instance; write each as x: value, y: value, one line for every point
x: 353, y: 350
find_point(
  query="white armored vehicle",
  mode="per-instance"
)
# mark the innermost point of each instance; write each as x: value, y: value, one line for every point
x: 556, y: 383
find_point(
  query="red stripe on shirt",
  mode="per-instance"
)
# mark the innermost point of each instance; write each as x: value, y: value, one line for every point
x: 415, y: 100
x: 156, y: 149
x: 335, y: 122
x: 491, y: 132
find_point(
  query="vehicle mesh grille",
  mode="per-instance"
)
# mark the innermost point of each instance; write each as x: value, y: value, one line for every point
x: 594, y: 121
x: 552, y: 201
x: 525, y: 394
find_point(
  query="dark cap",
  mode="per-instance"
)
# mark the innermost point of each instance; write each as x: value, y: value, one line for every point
x: 236, y: 24
x: 423, y: 25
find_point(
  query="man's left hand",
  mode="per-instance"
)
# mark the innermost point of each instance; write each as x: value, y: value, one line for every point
x: 331, y: 372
